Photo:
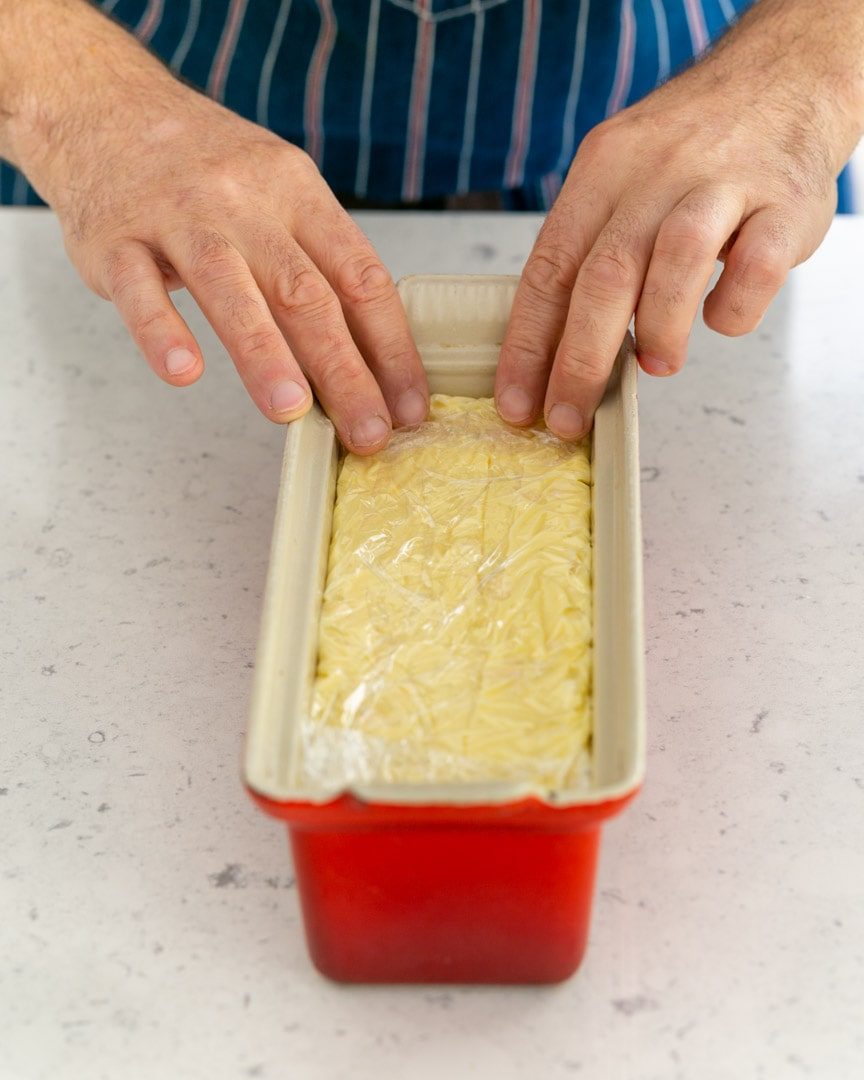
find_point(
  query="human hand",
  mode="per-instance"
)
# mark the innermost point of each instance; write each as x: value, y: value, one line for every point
x: 735, y: 159
x: 157, y: 187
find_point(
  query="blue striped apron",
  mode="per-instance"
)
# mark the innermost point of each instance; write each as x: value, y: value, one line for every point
x: 404, y: 100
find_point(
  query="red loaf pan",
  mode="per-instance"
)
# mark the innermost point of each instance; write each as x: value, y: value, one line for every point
x: 459, y: 883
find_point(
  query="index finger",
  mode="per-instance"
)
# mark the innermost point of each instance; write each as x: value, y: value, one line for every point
x: 540, y: 306
x: 371, y: 307
x: 603, y: 301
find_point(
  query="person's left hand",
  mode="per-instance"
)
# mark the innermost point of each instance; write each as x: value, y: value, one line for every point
x: 706, y: 167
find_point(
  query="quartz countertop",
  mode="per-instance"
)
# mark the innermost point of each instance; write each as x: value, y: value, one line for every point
x: 149, y: 922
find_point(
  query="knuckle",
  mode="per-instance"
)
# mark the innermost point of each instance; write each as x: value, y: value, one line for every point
x: 241, y: 310
x: 549, y: 267
x: 763, y: 269
x: 662, y: 298
x: 259, y: 344
x: 209, y: 258
x: 582, y: 326
x: 682, y: 241
x: 521, y: 356
x: 121, y: 273
x: 732, y: 310
x: 598, y: 141
x: 672, y: 299
x: 607, y: 270
x: 340, y: 372
x: 229, y: 187
x: 298, y: 158
x: 302, y: 291
x: 222, y: 187
x: 364, y: 281
x: 626, y: 228
x: 705, y: 209
x: 581, y: 368
x: 737, y: 302
x: 145, y: 320
x: 393, y: 360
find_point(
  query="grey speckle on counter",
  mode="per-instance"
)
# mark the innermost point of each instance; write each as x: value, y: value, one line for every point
x: 149, y: 923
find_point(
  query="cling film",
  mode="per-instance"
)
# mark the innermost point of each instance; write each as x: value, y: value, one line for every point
x: 455, y: 629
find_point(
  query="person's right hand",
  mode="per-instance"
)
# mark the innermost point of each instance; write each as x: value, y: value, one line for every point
x: 157, y: 187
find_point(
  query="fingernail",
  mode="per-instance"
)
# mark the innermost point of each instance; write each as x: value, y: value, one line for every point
x: 369, y: 431
x: 514, y: 404
x: 287, y: 396
x: 654, y: 366
x: 565, y: 421
x: 411, y: 408
x: 179, y: 361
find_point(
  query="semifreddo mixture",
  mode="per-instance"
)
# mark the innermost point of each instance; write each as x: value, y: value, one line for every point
x: 455, y: 630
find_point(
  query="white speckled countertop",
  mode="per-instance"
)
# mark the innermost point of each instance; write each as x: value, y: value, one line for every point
x: 149, y: 925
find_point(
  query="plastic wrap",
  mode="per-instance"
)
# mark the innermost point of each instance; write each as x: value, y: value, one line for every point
x: 455, y: 630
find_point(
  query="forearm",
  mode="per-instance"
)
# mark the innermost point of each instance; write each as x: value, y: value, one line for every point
x: 810, y: 52
x: 62, y: 66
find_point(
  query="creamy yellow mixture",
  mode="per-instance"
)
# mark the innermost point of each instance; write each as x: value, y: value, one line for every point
x: 455, y: 633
